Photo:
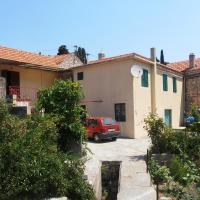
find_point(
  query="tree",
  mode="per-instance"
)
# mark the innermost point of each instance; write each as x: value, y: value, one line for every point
x: 81, y: 54
x: 162, y: 59
x: 31, y: 165
x: 61, y: 100
x: 62, y: 50
x: 157, y: 60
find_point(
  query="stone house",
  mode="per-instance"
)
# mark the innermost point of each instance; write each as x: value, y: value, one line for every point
x: 191, y: 70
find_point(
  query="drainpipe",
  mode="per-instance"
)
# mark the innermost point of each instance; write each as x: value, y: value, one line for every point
x: 153, y: 80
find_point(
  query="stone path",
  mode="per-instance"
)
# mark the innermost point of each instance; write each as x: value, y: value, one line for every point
x: 134, y: 181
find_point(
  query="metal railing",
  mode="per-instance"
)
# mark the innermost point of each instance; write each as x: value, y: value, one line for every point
x: 24, y: 93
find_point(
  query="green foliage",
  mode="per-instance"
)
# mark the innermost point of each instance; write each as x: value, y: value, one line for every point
x: 166, y: 140
x: 176, y: 190
x: 61, y: 100
x: 157, y: 130
x: 194, y: 112
x: 179, y: 192
x: 183, y: 170
x: 184, y: 143
x: 81, y: 54
x: 62, y: 50
x: 184, y: 179
x: 31, y: 167
x: 162, y: 60
x: 158, y: 173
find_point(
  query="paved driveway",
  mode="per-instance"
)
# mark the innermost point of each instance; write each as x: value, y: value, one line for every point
x: 134, y: 182
x: 122, y: 149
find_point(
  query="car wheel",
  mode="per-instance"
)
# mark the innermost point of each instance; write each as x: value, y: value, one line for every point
x: 96, y: 138
x: 114, y: 139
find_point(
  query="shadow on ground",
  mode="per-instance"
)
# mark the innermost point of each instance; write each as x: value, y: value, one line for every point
x: 137, y: 158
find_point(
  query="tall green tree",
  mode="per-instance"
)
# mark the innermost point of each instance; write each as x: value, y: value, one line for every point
x: 62, y: 50
x: 162, y: 59
x: 61, y: 100
x: 81, y: 54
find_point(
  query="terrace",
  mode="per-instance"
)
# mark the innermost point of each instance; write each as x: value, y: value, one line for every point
x: 20, y: 96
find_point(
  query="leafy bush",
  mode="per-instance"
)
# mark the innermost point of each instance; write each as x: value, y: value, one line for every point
x: 184, y: 179
x: 159, y: 173
x: 183, y: 170
x: 195, y: 113
x: 61, y: 100
x: 158, y: 132
x: 31, y: 167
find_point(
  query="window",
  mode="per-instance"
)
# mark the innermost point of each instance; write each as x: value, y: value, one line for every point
x: 174, y: 85
x: 109, y: 121
x: 145, y: 78
x: 120, y: 112
x: 80, y: 76
x: 168, y: 117
x: 165, y: 83
x: 92, y: 122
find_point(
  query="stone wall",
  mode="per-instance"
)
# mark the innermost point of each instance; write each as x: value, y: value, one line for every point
x: 192, y: 90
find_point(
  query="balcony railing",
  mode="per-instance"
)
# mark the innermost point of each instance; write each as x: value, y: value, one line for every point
x: 24, y: 94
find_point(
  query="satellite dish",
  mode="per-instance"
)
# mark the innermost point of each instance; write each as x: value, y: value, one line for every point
x: 136, y: 71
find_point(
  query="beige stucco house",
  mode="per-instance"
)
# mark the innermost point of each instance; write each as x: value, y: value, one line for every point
x: 111, y: 90
x: 24, y: 73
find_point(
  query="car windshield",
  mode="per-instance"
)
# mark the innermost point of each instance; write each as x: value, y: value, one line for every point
x: 109, y: 121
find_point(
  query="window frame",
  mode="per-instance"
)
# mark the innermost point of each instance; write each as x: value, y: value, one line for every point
x: 121, y: 109
x: 145, y: 78
x: 80, y: 76
x: 165, y: 82
x: 168, y: 111
x: 174, y: 84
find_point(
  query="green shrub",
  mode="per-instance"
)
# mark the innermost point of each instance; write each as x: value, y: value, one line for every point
x: 195, y: 113
x: 158, y: 173
x: 61, y: 100
x: 183, y: 170
x: 31, y: 167
x: 158, y: 132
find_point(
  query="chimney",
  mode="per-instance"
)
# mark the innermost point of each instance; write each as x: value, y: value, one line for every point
x: 101, y: 55
x: 192, y: 60
x: 153, y: 54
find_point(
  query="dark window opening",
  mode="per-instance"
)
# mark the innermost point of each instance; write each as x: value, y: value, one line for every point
x: 145, y: 78
x: 120, y: 112
x: 174, y: 85
x: 12, y: 80
x: 80, y: 76
x: 92, y: 122
x: 165, y: 82
x: 168, y: 117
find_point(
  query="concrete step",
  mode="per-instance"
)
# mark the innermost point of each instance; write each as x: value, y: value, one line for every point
x: 134, y: 182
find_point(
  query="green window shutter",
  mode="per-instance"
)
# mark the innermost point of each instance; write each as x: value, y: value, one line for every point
x: 174, y: 85
x: 165, y: 83
x: 145, y: 78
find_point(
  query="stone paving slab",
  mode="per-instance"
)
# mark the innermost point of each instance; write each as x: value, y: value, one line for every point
x: 134, y: 182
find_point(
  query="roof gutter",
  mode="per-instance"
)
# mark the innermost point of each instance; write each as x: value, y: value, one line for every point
x: 32, y: 66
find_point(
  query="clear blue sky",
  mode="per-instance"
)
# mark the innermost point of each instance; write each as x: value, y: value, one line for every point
x: 114, y: 26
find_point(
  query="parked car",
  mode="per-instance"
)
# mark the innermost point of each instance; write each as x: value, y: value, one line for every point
x: 99, y: 128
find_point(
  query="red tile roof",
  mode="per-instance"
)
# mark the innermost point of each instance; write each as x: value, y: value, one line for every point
x: 117, y: 57
x: 20, y: 56
x: 131, y: 55
x: 184, y: 65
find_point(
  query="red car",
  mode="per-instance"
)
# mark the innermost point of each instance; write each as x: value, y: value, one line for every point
x: 99, y: 128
